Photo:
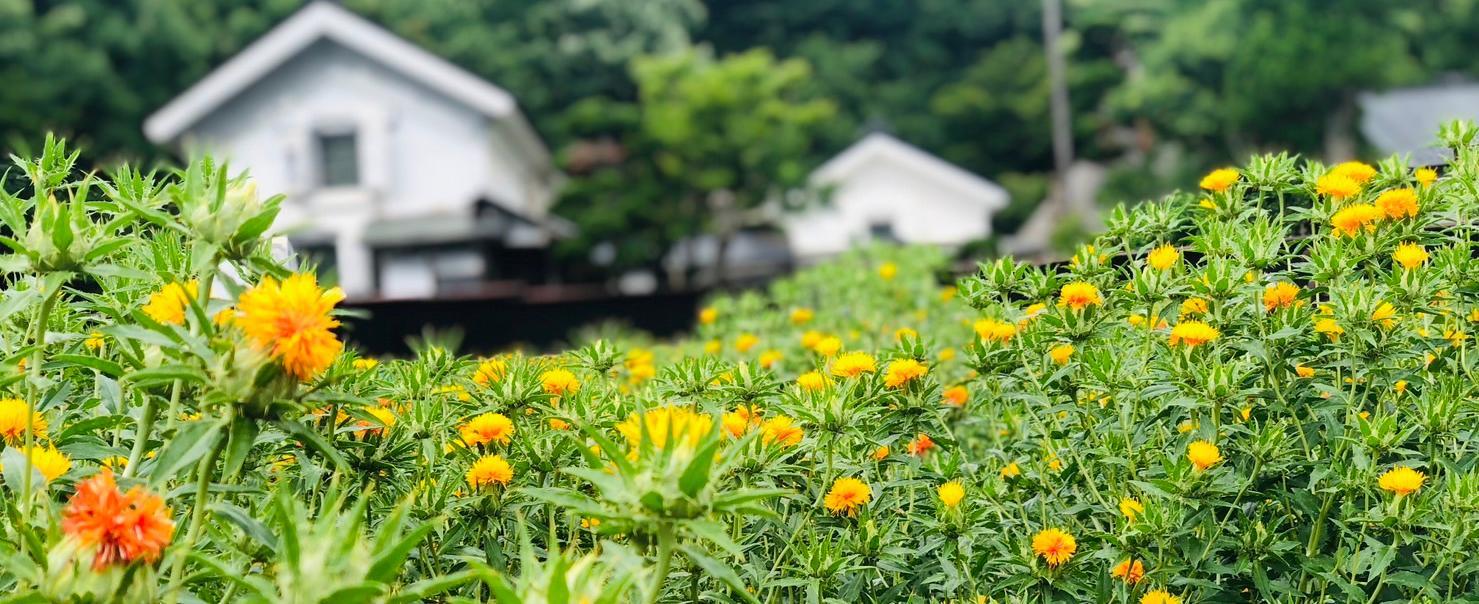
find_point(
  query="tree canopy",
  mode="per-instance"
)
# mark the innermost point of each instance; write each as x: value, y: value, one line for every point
x: 1211, y: 79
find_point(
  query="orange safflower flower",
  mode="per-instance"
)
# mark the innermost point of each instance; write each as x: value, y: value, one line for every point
x: 1398, y: 203
x: 1055, y: 546
x: 1280, y: 295
x: 921, y: 445
x: 119, y: 527
x: 1130, y: 571
x: 1079, y: 295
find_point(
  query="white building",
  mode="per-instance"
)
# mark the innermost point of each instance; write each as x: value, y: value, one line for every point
x: 885, y: 189
x: 406, y: 175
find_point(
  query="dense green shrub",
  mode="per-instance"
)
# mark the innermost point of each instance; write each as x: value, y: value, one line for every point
x: 1261, y: 392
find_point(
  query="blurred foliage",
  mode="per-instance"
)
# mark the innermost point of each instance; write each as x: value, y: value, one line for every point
x: 1214, y: 80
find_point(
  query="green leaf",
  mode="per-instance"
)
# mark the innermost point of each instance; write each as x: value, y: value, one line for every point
x: 239, y: 442
x: 189, y: 444
x: 425, y: 589
x: 714, y: 533
x: 387, y: 564
x: 718, y: 570
x: 696, y: 475
x: 315, y: 441
x: 244, y: 521
x: 104, y: 366
x: 164, y: 375
x: 254, y: 584
x: 365, y: 591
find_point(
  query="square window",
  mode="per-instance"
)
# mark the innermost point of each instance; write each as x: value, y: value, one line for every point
x: 338, y: 156
x: 882, y: 231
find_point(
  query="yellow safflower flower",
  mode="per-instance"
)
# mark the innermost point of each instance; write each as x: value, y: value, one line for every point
x: 1193, y: 333
x: 1352, y: 219
x: 781, y: 430
x: 1163, y: 257
x: 488, y: 471
x: 1330, y: 328
x: 769, y: 358
x: 992, y: 330
x: 292, y: 320
x: 1061, y: 353
x: 1203, y: 454
x: 666, y: 426
x: 1385, y: 314
x: 847, y: 495
x: 956, y: 396
x: 853, y: 364
x: 487, y: 428
x: 1402, y: 481
x: 1337, y: 186
x: 13, y: 420
x: 490, y: 371
x: 1425, y: 176
x: 812, y: 381
x: 1159, y: 596
x: 1130, y: 571
x: 1410, y: 255
x: 951, y: 493
x: 1193, y: 307
x: 1219, y: 179
x: 1131, y: 508
x: 1356, y: 171
x: 828, y: 346
x: 559, y: 382
x: 167, y: 306
x: 50, y: 462
x: 887, y: 271
x: 901, y: 372
x: 802, y: 315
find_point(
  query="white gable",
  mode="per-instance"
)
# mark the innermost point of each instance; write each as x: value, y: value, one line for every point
x: 320, y: 21
x: 378, y: 145
x: 879, y: 149
x: 885, y: 188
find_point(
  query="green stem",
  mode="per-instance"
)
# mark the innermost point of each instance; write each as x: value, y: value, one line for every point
x: 145, y: 430
x: 34, y: 368
x: 197, y: 519
x: 666, y: 541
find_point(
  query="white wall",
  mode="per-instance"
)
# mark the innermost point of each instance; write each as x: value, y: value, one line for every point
x: 921, y: 211
x: 420, y: 153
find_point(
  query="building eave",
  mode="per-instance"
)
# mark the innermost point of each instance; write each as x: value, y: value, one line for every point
x: 328, y: 21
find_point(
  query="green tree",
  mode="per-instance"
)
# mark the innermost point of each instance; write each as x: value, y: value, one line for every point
x: 1240, y: 75
x: 715, y: 140
x: 735, y: 132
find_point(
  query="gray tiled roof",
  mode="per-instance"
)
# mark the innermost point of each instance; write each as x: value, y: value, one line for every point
x: 1406, y: 120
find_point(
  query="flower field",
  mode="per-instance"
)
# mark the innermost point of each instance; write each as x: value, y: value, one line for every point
x: 1256, y: 392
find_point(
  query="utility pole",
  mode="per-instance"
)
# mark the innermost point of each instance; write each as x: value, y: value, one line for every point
x: 1052, y: 29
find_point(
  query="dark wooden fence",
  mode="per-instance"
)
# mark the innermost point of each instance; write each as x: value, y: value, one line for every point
x: 539, y: 318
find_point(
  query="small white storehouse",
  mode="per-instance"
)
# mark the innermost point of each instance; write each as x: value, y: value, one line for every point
x: 405, y: 175
x: 885, y: 189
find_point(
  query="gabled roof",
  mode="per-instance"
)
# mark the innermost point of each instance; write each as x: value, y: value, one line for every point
x: 882, y: 147
x: 325, y: 20
x: 1406, y: 120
